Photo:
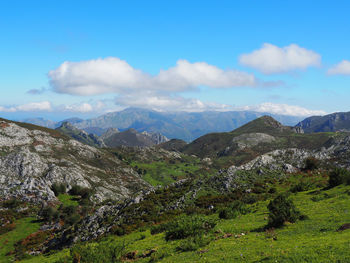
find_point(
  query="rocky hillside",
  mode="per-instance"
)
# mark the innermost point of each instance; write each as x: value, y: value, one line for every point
x: 33, y: 158
x: 80, y: 135
x: 132, y: 138
x: 339, y: 121
x: 258, y: 137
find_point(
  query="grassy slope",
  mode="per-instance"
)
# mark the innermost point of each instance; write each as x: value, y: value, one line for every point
x: 24, y: 227
x: 161, y: 173
x: 312, y: 240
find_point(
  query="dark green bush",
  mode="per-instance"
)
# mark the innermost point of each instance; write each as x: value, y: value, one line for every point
x: 339, y: 176
x: 83, y: 192
x: 101, y: 253
x: 12, y: 203
x: 49, y: 214
x: 193, y: 243
x: 188, y: 226
x: 58, y: 188
x: 281, y: 210
x: 311, y: 163
x: 158, y: 228
x: 233, y: 210
x: 301, y: 186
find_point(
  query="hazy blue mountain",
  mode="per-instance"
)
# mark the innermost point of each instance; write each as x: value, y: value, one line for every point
x: 41, y: 122
x: 182, y: 125
x: 186, y: 126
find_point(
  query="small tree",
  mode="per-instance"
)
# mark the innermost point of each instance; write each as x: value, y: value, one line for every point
x: 282, y: 210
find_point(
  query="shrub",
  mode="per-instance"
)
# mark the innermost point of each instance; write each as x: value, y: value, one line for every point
x: 49, y: 213
x: 300, y: 187
x: 12, y: 203
x: 158, y: 228
x: 338, y: 176
x: 84, y: 192
x: 101, y: 253
x: 193, y: 243
x: 281, y: 210
x: 311, y: 163
x: 233, y: 210
x: 188, y: 226
x: 58, y: 188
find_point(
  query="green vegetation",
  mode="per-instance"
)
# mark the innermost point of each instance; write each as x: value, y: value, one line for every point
x: 23, y: 228
x: 281, y: 210
x: 339, y: 176
x: 68, y: 200
x: 165, y: 173
x: 242, y: 240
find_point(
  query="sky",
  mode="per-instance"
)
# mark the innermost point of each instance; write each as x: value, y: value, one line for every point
x: 61, y: 59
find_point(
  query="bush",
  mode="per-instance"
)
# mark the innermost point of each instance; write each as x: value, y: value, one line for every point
x: 338, y: 176
x: 193, y: 243
x: 58, y: 188
x: 233, y: 210
x: 188, y: 226
x: 101, y: 253
x: 158, y: 228
x: 311, y: 163
x: 281, y: 210
x: 49, y: 214
x: 300, y: 187
x: 83, y: 192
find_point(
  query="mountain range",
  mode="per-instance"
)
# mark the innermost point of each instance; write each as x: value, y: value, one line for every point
x: 180, y: 125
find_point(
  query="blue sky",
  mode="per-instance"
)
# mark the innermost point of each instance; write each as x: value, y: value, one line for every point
x: 288, y: 57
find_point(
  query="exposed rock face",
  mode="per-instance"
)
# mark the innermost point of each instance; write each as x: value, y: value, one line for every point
x: 31, y: 160
x: 156, y: 137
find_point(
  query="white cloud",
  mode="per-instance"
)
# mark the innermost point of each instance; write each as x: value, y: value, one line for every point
x: 342, y: 68
x: 33, y: 106
x: 112, y: 75
x: 271, y: 59
x: 167, y: 103
x: 80, y: 108
x: 283, y: 109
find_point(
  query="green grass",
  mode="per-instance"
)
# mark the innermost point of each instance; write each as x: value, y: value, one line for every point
x: 162, y: 173
x: 68, y: 200
x: 24, y: 227
x: 311, y: 240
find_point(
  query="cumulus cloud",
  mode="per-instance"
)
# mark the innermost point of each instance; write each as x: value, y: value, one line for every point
x: 342, y: 68
x: 33, y: 106
x: 113, y: 75
x: 270, y: 59
x: 283, y: 109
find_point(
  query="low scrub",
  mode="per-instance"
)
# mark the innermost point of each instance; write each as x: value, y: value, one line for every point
x: 233, y: 210
x: 188, y: 226
x: 100, y: 253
